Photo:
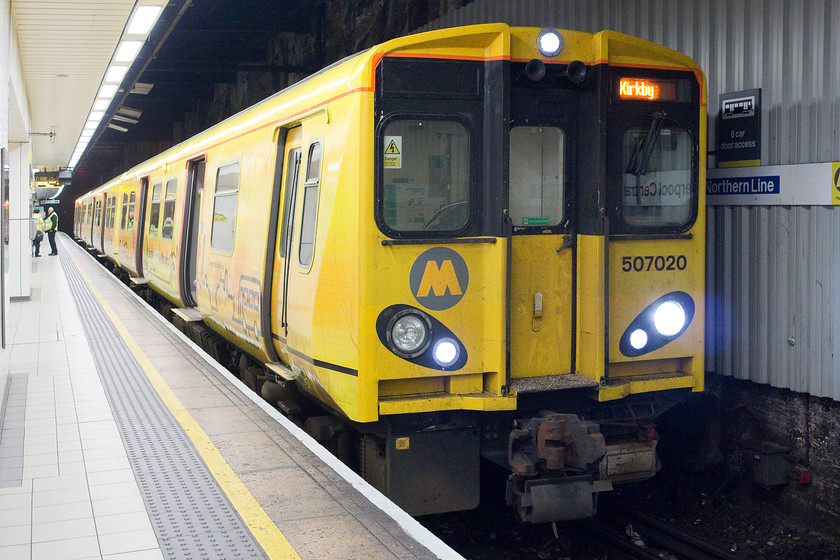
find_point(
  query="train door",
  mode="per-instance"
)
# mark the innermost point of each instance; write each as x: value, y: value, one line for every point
x: 189, y: 241
x: 284, y: 252
x: 542, y: 260
x: 140, y: 224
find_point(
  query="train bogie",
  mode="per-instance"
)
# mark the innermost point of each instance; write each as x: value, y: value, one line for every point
x: 441, y: 240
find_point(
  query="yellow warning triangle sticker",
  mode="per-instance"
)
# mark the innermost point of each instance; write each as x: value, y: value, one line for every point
x: 392, y: 149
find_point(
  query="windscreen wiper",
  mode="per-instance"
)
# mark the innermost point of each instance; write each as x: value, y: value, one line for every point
x: 640, y: 160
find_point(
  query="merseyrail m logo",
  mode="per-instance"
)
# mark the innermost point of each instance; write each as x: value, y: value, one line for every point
x: 439, y: 278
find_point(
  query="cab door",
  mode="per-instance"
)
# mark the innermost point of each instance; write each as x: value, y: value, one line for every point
x: 284, y: 254
x: 140, y: 225
x: 189, y: 240
x: 542, y: 288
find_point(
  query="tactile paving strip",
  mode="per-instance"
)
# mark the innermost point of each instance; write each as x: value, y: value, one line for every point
x: 191, y: 516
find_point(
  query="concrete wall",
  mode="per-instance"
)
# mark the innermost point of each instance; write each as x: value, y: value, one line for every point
x: 750, y: 413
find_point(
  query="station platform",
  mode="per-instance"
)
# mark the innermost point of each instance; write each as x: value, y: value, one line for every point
x: 121, y: 439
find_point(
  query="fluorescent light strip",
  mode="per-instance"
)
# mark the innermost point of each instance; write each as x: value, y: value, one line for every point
x: 115, y: 74
x: 127, y: 51
x: 107, y: 91
x: 143, y: 20
x: 140, y: 24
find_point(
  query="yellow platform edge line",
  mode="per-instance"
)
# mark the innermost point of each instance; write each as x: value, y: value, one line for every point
x: 259, y: 523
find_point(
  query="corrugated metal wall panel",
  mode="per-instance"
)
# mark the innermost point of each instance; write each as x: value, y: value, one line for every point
x: 773, y: 274
x: 772, y: 271
x: 784, y: 47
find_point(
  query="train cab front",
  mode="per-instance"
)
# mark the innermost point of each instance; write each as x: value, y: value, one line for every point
x: 539, y: 261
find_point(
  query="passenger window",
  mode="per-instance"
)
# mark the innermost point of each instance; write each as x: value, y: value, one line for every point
x: 289, y: 198
x: 310, y: 205
x: 224, y: 207
x: 426, y: 175
x: 169, y: 209
x: 537, y: 156
x: 154, y: 212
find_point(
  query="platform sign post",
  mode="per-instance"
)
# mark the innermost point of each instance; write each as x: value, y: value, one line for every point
x: 739, y: 129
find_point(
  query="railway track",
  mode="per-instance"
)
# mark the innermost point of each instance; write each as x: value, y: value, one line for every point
x: 646, y: 537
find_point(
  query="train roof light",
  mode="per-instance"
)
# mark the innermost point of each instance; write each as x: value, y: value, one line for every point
x: 549, y: 43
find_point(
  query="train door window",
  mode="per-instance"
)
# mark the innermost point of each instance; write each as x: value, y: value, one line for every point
x: 97, y: 213
x: 290, y: 189
x: 154, y: 210
x: 124, y: 216
x: 426, y: 175
x: 131, y: 204
x: 169, y: 209
x: 224, y: 207
x: 310, y: 205
x: 537, y: 156
x: 657, y: 178
x: 109, y: 218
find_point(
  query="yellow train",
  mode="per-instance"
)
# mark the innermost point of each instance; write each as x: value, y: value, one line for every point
x: 482, y: 241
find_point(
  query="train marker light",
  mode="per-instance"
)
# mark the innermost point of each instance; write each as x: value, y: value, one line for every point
x: 669, y: 318
x: 445, y: 352
x: 549, y: 43
x: 638, y: 339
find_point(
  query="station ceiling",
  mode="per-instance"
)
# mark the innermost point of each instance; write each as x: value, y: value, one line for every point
x: 66, y: 46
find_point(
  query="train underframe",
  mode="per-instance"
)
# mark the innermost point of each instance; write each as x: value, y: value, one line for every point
x: 559, y: 458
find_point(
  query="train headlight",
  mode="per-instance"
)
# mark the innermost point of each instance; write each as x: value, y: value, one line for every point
x: 638, y: 339
x: 410, y: 334
x: 549, y: 43
x: 669, y: 318
x: 445, y: 352
x: 420, y: 338
x: 658, y: 324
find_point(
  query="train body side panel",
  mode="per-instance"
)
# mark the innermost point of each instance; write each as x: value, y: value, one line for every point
x: 320, y: 340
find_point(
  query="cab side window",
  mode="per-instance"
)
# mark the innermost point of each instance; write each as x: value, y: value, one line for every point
x: 310, y: 205
x: 224, y: 207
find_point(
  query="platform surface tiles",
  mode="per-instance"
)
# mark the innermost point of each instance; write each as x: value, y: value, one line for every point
x: 122, y: 440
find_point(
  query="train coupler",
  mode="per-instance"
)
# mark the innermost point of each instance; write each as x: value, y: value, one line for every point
x: 553, y: 458
x: 554, y: 442
x: 544, y: 500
